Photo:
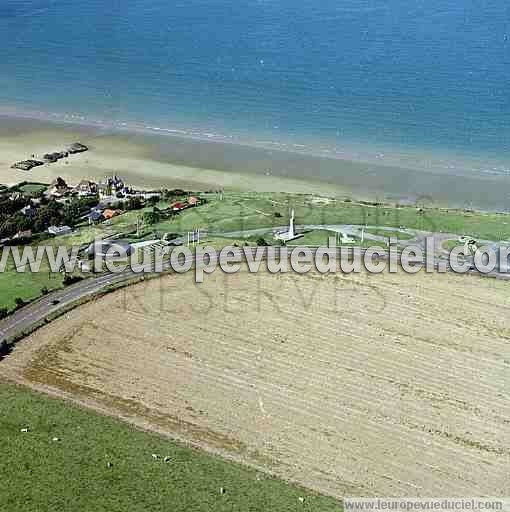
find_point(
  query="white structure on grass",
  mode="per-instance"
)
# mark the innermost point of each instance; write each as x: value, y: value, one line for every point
x: 290, y: 234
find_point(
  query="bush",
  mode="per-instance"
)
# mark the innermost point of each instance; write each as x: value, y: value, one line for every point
x: 277, y: 214
x: 133, y: 203
x: 261, y: 242
x: 153, y: 200
x: 152, y: 217
x: 3, y: 312
x: 69, y: 279
x: 19, y: 302
x: 5, y: 349
x: 176, y: 192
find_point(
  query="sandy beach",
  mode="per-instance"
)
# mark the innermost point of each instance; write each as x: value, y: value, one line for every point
x: 142, y: 160
x: 152, y: 161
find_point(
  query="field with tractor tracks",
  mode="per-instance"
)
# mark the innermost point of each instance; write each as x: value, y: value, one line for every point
x: 352, y: 385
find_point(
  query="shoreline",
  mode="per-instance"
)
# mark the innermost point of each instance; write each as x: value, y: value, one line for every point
x: 166, y: 159
x: 406, y: 157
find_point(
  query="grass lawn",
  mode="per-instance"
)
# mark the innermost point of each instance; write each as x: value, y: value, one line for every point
x: 321, y: 237
x: 389, y: 234
x: 33, y: 188
x: 451, y: 244
x: 247, y: 211
x: 101, y: 464
x: 25, y: 285
x: 244, y: 211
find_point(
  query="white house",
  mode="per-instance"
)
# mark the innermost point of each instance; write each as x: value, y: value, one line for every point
x: 59, y: 230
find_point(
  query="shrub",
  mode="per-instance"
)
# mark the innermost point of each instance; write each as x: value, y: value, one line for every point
x: 5, y: 349
x: 133, y: 203
x: 19, y: 302
x: 69, y: 279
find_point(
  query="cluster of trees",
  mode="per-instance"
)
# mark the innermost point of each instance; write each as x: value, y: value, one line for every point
x: 152, y: 217
x: 52, y: 213
x: 175, y: 193
x: 48, y: 213
x: 131, y: 203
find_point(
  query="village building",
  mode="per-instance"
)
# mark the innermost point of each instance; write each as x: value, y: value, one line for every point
x: 104, y: 190
x: 23, y: 234
x: 16, y: 196
x: 29, y: 210
x: 150, y: 195
x: 57, y: 188
x: 109, y: 214
x: 194, y: 201
x: 111, y: 185
x: 86, y: 188
x: 59, y: 230
x: 177, y: 207
x: 110, y: 249
x: 95, y: 216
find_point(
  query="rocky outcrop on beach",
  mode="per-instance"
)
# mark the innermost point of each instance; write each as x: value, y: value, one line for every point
x: 51, y: 158
x: 77, y: 147
x: 26, y: 165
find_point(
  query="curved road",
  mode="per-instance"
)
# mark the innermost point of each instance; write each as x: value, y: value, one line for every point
x: 24, y: 319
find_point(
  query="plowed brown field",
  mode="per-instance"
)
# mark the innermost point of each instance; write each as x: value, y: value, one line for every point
x: 389, y: 385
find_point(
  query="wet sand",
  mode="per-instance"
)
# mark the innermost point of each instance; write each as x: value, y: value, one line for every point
x: 149, y: 160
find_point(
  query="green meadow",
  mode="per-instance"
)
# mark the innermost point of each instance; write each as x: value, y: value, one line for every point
x: 76, y: 460
x: 247, y: 211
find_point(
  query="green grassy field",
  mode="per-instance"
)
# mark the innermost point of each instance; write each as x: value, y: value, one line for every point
x: 244, y: 211
x: 448, y: 245
x: 389, y: 234
x: 320, y: 237
x: 100, y: 464
x: 33, y: 188
x: 25, y: 285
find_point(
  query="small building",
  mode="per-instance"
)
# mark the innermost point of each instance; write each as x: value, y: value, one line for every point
x: 29, y: 210
x: 59, y: 230
x: 177, y: 207
x: 110, y: 186
x: 57, y: 188
x: 16, y: 196
x: 150, y: 195
x: 109, y: 249
x: 104, y: 190
x: 95, y: 216
x: 109, y: 214
x: 194, y: 201
x: 86, y: 188
x: 117, y: 183
x: 23, y: 234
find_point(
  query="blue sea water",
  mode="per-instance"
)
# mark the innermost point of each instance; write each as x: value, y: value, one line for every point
x: 424, y: 74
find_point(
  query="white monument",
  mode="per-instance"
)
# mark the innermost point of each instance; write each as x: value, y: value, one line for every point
x: 290, y: 234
